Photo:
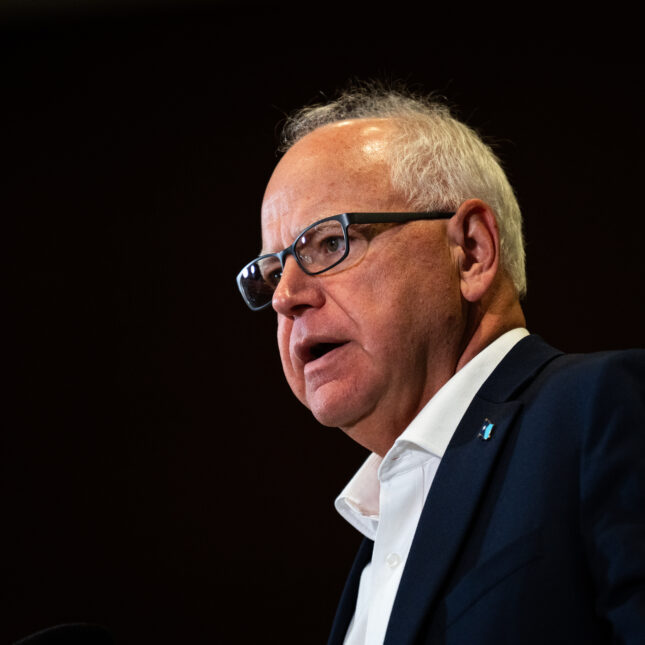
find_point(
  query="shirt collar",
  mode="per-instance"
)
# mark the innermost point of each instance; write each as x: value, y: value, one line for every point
x: 428, y: 434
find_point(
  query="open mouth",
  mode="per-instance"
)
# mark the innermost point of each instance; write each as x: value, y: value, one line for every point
x: 320, y: 349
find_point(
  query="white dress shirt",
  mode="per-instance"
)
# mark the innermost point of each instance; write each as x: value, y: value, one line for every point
x: 385, y: 497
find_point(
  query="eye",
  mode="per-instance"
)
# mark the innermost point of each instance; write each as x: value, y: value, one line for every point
x: 270, y: 271
x: 333, y: 244
x: 273, y: 277
x: 320, y: 246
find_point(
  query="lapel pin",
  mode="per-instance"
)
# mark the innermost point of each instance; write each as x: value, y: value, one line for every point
x: 486, y: 431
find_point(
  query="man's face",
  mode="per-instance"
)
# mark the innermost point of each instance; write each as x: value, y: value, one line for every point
x: 366, y: 347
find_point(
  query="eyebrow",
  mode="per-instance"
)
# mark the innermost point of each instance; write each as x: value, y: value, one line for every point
x: 300, y: 230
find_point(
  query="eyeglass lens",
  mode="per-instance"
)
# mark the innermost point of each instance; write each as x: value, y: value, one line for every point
x: 317, y: 249
x: 321, y: 246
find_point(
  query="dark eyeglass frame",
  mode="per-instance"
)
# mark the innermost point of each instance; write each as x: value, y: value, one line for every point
x: 346, y: 220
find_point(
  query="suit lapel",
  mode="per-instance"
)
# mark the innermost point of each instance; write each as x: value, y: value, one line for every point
x: 453, y: 499
x: 458, y: 487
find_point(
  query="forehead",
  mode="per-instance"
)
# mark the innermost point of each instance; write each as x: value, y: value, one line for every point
x: 338, y: 168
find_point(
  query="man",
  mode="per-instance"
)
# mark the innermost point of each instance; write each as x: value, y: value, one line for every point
x: 504, y: 499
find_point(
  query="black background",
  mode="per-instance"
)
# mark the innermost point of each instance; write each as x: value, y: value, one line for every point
x: 158, y: 477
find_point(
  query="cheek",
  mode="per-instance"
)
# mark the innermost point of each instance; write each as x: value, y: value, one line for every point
x: 405, y: 314
x: 293, y: 375
x: 284, y: 333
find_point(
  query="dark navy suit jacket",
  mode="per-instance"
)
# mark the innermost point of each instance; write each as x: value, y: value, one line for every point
x: 537, y: 534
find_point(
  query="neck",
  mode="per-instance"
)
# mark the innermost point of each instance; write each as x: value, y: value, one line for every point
x: 487, y: 320
x: 483, y: 323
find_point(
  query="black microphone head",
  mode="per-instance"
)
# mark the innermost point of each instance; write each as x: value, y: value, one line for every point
x: 70, y: 634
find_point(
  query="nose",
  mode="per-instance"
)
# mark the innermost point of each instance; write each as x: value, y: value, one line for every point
x: 296, y: 291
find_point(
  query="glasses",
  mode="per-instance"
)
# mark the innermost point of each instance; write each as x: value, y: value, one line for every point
x: 319, y: 248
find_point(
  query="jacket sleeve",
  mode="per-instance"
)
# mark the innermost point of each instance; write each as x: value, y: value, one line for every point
x: 612, y: 489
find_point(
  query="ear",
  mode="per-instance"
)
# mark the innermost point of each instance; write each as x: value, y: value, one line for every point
x: 475, y: 237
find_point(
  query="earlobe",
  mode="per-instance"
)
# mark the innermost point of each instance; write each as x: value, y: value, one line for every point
x: 474, y: 233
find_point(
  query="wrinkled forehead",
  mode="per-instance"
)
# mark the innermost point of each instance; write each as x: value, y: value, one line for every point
x: 337, y: 168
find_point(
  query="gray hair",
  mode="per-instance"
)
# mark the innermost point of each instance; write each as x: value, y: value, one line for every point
x: 436, y: 161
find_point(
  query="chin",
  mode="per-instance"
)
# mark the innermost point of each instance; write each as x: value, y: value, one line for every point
x: 338, y: 407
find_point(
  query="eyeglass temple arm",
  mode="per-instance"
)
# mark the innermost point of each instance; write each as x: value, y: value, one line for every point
x: 386, y: 218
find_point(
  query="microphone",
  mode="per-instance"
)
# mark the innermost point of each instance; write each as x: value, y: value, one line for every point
x: 69, y: 634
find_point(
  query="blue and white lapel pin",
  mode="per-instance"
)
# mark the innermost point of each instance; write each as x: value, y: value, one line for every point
x: 486, y: 431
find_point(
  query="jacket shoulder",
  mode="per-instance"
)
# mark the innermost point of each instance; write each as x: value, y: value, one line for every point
x: 593, y: 372
x: 534, y: 366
